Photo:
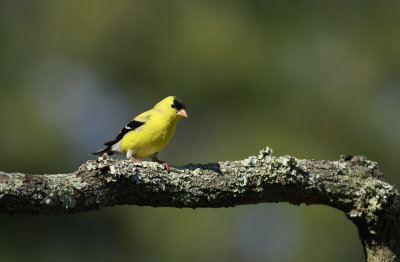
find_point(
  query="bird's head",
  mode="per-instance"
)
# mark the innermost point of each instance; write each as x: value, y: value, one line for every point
x: 173, y: 105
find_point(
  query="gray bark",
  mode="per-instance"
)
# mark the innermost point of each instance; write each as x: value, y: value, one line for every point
x: 353, y: 185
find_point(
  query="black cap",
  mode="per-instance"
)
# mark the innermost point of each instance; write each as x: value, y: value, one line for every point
x: 178, y: 103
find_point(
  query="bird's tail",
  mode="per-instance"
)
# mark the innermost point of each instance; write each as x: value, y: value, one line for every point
x: 106, y: 150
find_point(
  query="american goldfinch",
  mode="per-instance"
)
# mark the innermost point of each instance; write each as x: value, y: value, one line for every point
x: 149, y: 132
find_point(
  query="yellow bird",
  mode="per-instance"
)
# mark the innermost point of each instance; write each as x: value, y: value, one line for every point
x: 149, y: 132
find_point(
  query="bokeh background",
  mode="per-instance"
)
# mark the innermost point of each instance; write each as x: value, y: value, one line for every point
x: 314, y: 79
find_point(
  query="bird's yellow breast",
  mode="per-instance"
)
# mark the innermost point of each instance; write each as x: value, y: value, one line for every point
x: 150, y: 138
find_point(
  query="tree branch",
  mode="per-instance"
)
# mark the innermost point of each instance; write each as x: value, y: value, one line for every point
x: 353, y: 185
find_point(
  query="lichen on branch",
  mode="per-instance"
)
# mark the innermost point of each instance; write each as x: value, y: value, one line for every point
x: 353, y: 185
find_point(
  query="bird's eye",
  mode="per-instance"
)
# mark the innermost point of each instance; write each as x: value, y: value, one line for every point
x: 173, y: 106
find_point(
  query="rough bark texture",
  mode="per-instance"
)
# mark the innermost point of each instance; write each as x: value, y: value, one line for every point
x: 353, y: 185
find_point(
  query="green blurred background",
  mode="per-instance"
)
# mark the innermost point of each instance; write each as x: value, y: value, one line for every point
x: 312, y: 79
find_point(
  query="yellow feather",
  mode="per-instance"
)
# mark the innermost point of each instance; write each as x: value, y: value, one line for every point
x: 155, y: 134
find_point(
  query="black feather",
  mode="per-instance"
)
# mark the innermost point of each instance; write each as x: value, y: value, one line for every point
x: 129, y: 127
x: 102, y: 151
x: 178, y: 103
x: 109, y: 143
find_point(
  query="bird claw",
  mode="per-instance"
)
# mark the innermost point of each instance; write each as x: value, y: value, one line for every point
x: 165, y: 164
x: 135, y: 159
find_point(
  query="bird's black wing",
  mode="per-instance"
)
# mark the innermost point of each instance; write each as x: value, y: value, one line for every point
x: 129, y: 127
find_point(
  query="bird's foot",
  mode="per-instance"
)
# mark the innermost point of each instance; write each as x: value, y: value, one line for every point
x: 165, y: 164
x: 135, y: 159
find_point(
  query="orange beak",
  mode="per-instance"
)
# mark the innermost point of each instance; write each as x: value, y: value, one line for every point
x: 182, y: 112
